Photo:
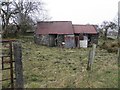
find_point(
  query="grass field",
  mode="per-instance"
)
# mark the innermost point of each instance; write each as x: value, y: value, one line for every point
x: 53, y: 67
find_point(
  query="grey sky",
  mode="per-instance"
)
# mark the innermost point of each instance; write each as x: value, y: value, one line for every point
x: 82, y: 11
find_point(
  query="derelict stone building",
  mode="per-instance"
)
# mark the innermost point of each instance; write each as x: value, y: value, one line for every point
x: 53, y: 33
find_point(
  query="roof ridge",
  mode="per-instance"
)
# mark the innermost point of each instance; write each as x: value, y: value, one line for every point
x: 53, y: 21
x: 82, y: 25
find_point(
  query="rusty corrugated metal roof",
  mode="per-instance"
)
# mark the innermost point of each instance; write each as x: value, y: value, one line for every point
x: 54, y: 27
x: 89, y: 29
x: 63, y: 27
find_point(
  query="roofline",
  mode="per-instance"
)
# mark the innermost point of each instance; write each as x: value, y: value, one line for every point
x: 83, y: 25
x: 68, y: 21
x: 52, y: 21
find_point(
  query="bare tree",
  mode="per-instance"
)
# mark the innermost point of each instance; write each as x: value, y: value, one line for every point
x: 23, y: 13
x: 117, y: 22
x: 29, y: 12
x: 108, y: 24
x: 7, y: 13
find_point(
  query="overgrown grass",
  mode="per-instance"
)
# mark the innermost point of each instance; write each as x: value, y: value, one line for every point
x: 53, y: 67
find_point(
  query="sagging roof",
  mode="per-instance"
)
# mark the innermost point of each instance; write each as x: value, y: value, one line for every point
x: 54, y: 27
x: 89, y: 29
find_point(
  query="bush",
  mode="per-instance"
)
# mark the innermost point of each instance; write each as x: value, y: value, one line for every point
x: 110, y: 50
x: 110, y: 46
x: 114, y: 44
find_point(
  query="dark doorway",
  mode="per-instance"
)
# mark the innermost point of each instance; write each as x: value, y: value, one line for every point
x: 89, y: 40
x: 52, y: 40
x: 77, y: 40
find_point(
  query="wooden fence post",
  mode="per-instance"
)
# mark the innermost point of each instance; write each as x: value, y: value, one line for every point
x: 18, y: 65
x: 91, y: 57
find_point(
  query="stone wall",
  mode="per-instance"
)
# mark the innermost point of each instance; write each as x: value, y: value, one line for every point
x: 50, y: 40
x: 56, y: 40
x: 42, y: 39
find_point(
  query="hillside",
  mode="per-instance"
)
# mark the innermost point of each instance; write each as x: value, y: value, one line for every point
x: 54, y: 67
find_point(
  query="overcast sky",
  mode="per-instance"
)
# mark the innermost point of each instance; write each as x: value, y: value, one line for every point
x: 82, y: 11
